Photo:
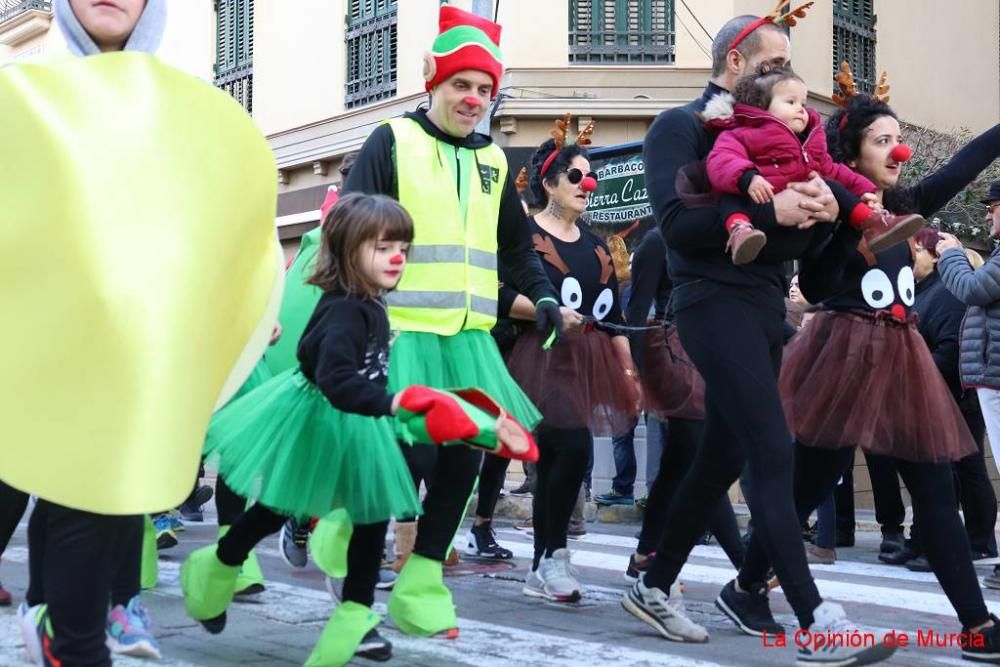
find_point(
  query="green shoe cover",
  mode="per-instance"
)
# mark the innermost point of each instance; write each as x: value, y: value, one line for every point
x: 250, y: 572
x: 420, y: 604
x: 328, y: 543
x: 342, y: 635
x: 207, y: 583
x: 150, y: 572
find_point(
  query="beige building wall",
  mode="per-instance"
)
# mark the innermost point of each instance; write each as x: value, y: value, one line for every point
x: 942, y: 60
x: 299, y: 63
x: 541, y: 41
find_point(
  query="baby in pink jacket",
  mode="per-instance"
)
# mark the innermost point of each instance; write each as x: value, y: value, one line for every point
x: 771, y: 139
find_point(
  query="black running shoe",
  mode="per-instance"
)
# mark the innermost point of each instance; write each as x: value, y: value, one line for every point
x: 374, y: 647
x: 751, y: 611
x: 983, y: 646
x: 481, y: 543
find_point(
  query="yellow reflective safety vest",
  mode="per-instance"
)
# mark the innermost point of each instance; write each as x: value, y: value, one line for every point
x: 450, y: 282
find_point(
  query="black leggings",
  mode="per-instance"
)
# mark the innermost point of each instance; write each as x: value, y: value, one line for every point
x: 13, y: 503
x: 744, y: 424
x: 491, y: 479
x: 680, y: 445
x: 562, y: 465
x: 229, y: 504
x: 932, y: 491
x: 364, y: 555
x: 77, y: 562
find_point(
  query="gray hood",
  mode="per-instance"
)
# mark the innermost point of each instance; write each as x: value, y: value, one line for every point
x: 146, y: 36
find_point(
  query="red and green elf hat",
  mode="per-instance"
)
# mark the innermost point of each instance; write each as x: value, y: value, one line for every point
x: 464, y: 41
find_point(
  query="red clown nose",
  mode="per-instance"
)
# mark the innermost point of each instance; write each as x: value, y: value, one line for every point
x: 396, y: 261
x: 901, y: 153
x: 471, y: 101
x: 588, y: 184
x: 898, y: 312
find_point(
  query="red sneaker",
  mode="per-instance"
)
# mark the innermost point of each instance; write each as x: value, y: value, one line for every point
x: 5, y: 598
x: 883, y: 230
x: 745, y: 242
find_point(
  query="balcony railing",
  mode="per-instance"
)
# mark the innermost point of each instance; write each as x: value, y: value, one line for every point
x: 11, y: 8
x: 633, y: 47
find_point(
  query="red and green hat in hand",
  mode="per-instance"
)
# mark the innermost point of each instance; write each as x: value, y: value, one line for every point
x: 462, y: 416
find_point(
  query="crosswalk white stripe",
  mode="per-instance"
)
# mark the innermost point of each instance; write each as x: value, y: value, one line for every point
x: 886, y: 596
x: 481, y: 644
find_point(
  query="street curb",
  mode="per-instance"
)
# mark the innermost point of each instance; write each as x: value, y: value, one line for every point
x: 518, y: 508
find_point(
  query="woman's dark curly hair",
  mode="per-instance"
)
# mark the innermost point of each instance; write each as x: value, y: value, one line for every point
x: 559, y: 165
x: 757, y: 89
x: 845, y: 132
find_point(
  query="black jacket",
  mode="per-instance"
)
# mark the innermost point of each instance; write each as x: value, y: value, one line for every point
x: 940, y: 320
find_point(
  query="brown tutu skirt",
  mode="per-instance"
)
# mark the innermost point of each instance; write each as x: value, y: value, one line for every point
x: 858, y: 378
x: 578, y: 383
x: 671, y: 385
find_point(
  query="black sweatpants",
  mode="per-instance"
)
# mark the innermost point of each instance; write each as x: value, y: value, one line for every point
x: 932, y: 491
x: 491, y: 479
x: 13, y: 503
x: 679, y: 448
x: 77, y: 562
x: 562, y: 465
x: 744, y: 425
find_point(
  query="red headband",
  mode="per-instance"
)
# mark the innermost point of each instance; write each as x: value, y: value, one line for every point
x: 774, y: 16
x: 548, y: 162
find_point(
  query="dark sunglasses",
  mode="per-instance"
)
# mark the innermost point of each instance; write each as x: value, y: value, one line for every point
x: 574, y: 175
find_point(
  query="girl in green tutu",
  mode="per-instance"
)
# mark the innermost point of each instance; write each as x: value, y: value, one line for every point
x: 320, y: 436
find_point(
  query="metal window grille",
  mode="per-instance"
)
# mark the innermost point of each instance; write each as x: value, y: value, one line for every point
x: 634, y: 32
x: 854, y: 40
x: 11, y: 8
x: 371, y: 51
x: 234, y: 50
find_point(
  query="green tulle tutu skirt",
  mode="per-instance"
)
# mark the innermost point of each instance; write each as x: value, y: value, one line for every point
x: 260, y: 374
x: 285, y: 446
x: 467, y: 359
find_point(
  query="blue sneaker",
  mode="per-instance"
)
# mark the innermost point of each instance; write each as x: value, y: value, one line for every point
x: 130, y: 631
x: 614, y: 498
x: 176, y: 523
x: 165, y: 537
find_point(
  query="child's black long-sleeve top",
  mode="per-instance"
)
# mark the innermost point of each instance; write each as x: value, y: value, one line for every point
x: 344, y: 351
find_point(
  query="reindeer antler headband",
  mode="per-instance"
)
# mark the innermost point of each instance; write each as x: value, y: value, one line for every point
x: 559, y: 134
x: 521, y: 182
x: 849, y: 88
x: 774, y: 16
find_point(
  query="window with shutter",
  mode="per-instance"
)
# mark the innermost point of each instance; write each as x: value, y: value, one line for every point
x: 854, y: 40
x: 11, y: 8
x: 609, y: 32
x: 371, y: 51
x: 234, y: 49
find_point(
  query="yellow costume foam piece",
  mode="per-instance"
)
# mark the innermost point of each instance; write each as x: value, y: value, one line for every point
x: 139, y: 271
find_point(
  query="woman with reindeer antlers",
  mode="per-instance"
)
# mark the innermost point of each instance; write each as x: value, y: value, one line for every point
x: 861, y: 375
x: 586, y: 383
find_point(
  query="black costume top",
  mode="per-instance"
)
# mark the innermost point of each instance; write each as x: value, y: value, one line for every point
x: 582, y: 272
x: 344, y: 351
x: 374, y: 172
x: 841, y: 277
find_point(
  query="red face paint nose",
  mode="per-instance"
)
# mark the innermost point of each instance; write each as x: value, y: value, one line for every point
x: 898, y: 311
x: 901, y: 153
x: 471, y: 101
x: 588, y: 184
x: 397, y: 260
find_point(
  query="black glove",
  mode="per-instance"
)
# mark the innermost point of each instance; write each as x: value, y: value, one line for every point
x: 547, y: 315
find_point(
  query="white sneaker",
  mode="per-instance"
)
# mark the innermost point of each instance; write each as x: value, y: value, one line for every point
x: 828, y: 638
x: 27, y: 620
x: 534, y: 586
x: 665, y: 613
x: 557, y: 579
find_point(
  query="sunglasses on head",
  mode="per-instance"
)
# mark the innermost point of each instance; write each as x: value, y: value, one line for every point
x: 574, y: 175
